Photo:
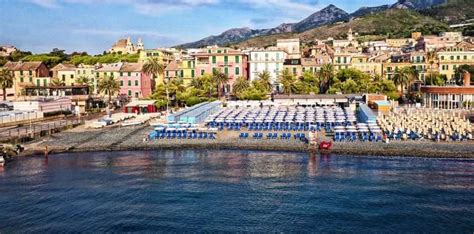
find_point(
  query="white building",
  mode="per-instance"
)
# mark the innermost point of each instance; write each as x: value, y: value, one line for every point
x: 291, y: 46
x: 270, y: 59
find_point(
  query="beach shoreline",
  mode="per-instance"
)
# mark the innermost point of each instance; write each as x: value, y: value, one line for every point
x: 131, y: 139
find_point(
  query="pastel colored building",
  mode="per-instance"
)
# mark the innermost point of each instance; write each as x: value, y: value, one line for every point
x: 163, y: 56
x: 26, y: 73
x: 134, y: 82
x: 66, y: 73
x: 294, y: 66
x: 88, y: 71
x: 229, y: 61
x: 291, y: 46
x: 171, y: 71
x: 451, y: 58
x: 270, y: 60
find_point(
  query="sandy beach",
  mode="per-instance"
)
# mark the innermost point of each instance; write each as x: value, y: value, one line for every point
x: 131, y: 138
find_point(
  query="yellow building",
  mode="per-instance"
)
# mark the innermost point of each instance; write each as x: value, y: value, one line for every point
x: 66, y: 73
x: 187, y: 70
x: 88, y: 71
x: 342, y: 60
x: 26, y: 74
x: 399, y: 42
x: 294, y: 66
x: 164, y: 56
x: 451, y: 58
x: 365, y: 64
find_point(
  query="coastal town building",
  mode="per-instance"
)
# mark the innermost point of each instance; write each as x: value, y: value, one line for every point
x: 26, y: 73
x: 163, y: 55
x: 291, y: 46
x: 134, y: 82
x: 125, y: 46
x: 66, y: 73
x: 450, y: 97
x: 451, y: 58
x: 350, y: 41
x: 88, y: 71
x: 171, y: 71
x: 233, y: 63
x: 270, y: 60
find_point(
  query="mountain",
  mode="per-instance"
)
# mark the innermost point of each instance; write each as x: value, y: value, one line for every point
x: 417, y: 4
x: 395, y: 23
x: 329, y: 14
x: 368, y: 10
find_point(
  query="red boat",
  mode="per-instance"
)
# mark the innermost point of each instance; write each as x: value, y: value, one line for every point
x: 325, y: 145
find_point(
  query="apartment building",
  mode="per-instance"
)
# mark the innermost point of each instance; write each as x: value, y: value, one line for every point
x: 270, y: 60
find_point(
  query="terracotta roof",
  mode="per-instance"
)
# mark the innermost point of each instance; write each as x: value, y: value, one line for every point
x: 110, y: 67
x: 131, y: 67
x: 22, y: 66
x: 173, y: 66
x: 64, y: 67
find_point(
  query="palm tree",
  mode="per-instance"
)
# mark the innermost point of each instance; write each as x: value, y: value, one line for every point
x: 287, y: 79
x: 431, y: 59
x: 109, y: 85
x: 265, y: 79
x: 241, y: 84
x: 220, y: 79
x: 56, y: 82
x: 82, y: 80
x: 326, y: 74
x: 153, y: 66
x: 405, y: 77
x: 6, y: 81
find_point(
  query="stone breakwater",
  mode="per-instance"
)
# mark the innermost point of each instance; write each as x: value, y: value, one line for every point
x: 131, y: 138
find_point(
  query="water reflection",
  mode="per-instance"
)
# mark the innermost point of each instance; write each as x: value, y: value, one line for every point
x: 235, y: 191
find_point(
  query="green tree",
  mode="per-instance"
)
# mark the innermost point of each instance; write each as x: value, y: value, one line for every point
x: 110, y: 86
x: 56, y: 82
x: 325, y: 75
x: 83, y: 80
x: 431, y: 58
x: 287, y: 79
x: 241, y: 84
x: 220, y: 79
x: 153, y: 66
x: 265, y: 79
x: 6, y: 81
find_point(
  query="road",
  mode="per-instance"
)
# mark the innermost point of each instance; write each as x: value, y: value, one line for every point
x: 9, y: 132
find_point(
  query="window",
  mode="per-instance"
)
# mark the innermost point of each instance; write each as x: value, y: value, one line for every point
x: 458, y: 57
x: 136, y: 82
x: 226, y: 59
x: 72, y: 76
x: 38, y: 82
x: 21, y: 79
x: 97, y: 75
x: 226, y: 71
x: 465, y: 57
x: 129, y: 74
x: 45, y: 82
x: 129, y: 83
x: 30, y: 72
x: 237, y: 59
x: 64, y: 77
x: 237, y: 71
x: 218, y: 51
x: 202, y: 72
x: 442, y: 57
x: 167, y: 73
x: 31, y: 79
x: 21, y: 73
x: 121, y: 83
x: 129, y: 92
x: 121, y: 73
x: 84, y: 72
x: 278, y: 56
x: 451, y: 57
x: 213, y: 59
x: 189, y: 64
x: 294, y: 70
x: 192, y: 73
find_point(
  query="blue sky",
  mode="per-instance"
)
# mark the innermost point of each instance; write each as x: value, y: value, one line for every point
x: 94, y: 25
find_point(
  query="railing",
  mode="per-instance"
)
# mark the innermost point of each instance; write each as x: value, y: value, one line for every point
x: 19, y: 132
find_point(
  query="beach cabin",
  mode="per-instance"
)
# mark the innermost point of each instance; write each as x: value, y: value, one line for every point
x: 141, y: 107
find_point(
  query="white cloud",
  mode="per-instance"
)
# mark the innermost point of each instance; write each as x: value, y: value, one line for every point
x: 45, y: 3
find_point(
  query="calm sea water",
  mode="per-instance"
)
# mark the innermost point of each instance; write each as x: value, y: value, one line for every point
x: 235, y: 191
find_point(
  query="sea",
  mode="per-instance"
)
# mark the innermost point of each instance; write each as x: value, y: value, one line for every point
x: 235, y: 191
